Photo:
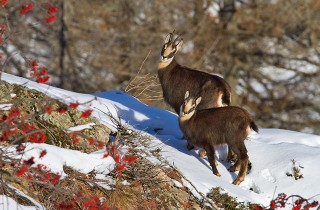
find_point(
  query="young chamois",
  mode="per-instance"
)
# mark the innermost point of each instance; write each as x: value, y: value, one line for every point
x: 207, y: 128
x: 176, y: 80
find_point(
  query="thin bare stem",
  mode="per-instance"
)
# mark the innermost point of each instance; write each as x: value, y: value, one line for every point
x: 134, y: 78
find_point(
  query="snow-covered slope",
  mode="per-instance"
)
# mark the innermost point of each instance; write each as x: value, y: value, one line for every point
x: 271, y: 151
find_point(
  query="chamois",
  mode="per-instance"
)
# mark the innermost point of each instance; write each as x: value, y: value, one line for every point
x: 176, y: 80
x: 221, y: 125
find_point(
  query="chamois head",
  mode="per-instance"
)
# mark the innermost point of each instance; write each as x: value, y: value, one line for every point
x: 189, y: 105
x: 170, y: 47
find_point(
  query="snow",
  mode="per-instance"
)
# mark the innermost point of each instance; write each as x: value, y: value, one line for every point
x: 278, y: 74
x: 13, y: 205
x: 271, y: 151
x: 80, y: 127
x: 7, y: 203
x: 79, y: 161
x: 5, y: 107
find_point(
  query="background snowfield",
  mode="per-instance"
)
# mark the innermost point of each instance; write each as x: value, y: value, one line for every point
x: 271, y: 151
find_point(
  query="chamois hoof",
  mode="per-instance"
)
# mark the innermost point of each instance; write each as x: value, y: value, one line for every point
x: 217, y: 174
x: 236, y: 182
x: 203, y: 154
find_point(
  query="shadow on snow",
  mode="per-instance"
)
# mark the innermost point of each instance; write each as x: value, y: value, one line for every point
x: 157, y: 122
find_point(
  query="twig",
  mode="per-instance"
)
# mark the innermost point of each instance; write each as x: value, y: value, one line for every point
x: 134, y: 78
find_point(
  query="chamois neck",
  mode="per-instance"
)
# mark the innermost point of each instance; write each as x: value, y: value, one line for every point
x: 170, y: 63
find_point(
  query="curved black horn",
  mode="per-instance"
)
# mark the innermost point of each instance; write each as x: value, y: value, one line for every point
x: 172, y: 34
x: 168, y: 38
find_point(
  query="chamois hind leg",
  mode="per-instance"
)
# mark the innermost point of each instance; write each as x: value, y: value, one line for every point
x: 212, y: 160
x: 231, y: 156
x: 243, y: 159
x: 235, y: 167
x: 233, y: 149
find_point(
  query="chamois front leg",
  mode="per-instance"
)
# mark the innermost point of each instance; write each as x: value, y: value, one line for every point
x: 242, y: 172
x: 189, y: 145
x: 212, y: 160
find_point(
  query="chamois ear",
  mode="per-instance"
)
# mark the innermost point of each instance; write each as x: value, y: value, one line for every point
x: 198, y: 101
x: 168, y: 38
x: 179, y: 44
x: 186, y: 95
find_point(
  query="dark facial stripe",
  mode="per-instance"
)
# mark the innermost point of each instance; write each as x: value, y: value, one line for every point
x: 169, y: 56
x: 191, y: 110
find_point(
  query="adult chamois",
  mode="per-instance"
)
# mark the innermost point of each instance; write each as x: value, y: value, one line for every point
x: 176, y: 79
x: 207, y: 128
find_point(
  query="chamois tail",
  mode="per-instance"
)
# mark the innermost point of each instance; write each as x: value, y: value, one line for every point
x: 226, y: 98
x: 254, y: 127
